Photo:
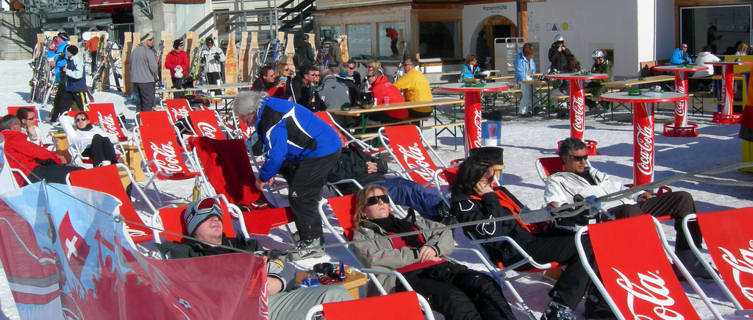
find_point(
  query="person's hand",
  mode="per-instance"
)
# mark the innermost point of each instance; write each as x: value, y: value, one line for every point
x: 426, y: 254
x: 371, y: 167
x: 483, y: 187
x: 217, y: 56
x: 63, y: 69
x: 281, y: 83
x: 260, y: 184
x: 62, y: 159
x: 645, y: 196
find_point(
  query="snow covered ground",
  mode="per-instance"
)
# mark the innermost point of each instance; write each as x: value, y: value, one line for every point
x: 524, y: 140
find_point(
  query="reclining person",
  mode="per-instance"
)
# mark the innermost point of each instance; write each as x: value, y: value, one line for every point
x: 580, y: 179
x: 451, y: 288
x: 28, y: 118
x: 35, y: 162
x: 203, y: 221
x: 91, y: 141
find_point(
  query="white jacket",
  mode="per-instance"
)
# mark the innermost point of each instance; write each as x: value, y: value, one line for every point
x: 560, y: 188
x: 210, y: 63
x: 81, y: 139
x: 703, y: 57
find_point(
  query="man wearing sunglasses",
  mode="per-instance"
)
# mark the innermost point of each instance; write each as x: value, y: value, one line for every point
x: 578, y: 178
x: 203, y: 221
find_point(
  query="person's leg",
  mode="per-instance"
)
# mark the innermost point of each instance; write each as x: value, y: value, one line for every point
x: 408, y: 193
x: 677, y: 205
x: 305, y: 186
x: 148, y: 96
x: 393, y: 46
x: 78, y: 101
x: 58, y: 103
x: 54, y: 173
x: 96, y: 151
x: 525, y: 98
x: 293, y: 304
x: 93, y: 56
x: 443, y: 297
x: 137, y: 93
x: 178, y: 84
x: 418, y: 114
x: 485, y: 293
x: 626, y: 211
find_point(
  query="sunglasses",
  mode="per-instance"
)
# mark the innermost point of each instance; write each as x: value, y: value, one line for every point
x: 80, y: 119
x: 352, y: 68
x: 31, y: 119
x: 580, y: 158
x: 370, y: 201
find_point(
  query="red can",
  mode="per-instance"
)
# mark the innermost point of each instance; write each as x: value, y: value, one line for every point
x: 643, y: 143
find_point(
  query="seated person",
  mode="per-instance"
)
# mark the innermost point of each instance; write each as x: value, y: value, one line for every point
x: 385, y: 93
x: 91, y: 141
x: 595, y: 87
x: 269, y: 83
x: 284, y: 74
x: 35, y: 162
x: 470, y: 68
x: 27, y: 118
x: 579, y: 178
x: 303, y: 89
x: 474, y: 199
x: 203, y: 221
x: 703, y: 57
x: 451, y: 288
x: 415, y: 87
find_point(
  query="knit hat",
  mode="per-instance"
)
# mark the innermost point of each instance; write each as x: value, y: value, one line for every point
x: 492, y: 155
x: 199, y: 211
x: 63, y: 36
x: 177, y: 43
x: 149, y: 36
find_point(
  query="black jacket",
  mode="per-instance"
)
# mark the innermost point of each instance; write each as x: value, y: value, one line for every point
x: 558, y: 59
x: 306, y: 96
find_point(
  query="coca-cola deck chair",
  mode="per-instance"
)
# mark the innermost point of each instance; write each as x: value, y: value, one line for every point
x: 106, y: 179
x: 402, y: 305
x: 727, y: 235
x: 161, y: 152
x: 105, y: 114
x: 408, y: 147
x: 345, y: 136
x: 177, y: 109
x: 635, y: 277
x: 174, y: 227
x: 205, y: 124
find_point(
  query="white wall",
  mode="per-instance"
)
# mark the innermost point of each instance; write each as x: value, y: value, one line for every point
x: 591, y: 24
x: 474, y: 16
x: 666, y: 29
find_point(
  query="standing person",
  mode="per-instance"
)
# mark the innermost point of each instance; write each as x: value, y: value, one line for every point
x: 212, y: 57
x: 384, y: 92
x: 711, y: 36
x: 92, y: 45
x: 470, y: 68
x: 415, y: 87
x: 60, y: 61
x: 177, y: 63
x: 482, y: 51
x: 596, y: 87
x: 524, y: 68
x: 144, y: 73
x: 392, y: 34
x: 558, y: 54
x: 704, y: 56
x: 451, y: 288
x: 303, y: 89
x: 680, y: 55
x: 301, y: 147
x: 304, y: 53
x: 334, y: 56
x: 75, y: 81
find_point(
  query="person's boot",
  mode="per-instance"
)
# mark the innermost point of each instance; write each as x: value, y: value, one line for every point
x: 557, y: 311
x: 690, y: 261
x: 596, y: 306
x: 306, y: 249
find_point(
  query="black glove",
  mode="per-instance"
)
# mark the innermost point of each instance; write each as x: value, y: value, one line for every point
x: 217, y: 56
x: 203, y: 60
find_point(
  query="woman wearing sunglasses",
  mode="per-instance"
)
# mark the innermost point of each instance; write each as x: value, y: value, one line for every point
x: 91, y: 141
x: 451, y: 288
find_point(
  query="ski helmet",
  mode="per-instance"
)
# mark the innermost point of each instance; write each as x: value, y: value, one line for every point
x: 210, y: 41
x: 559, y: 38
x: 597, y: 54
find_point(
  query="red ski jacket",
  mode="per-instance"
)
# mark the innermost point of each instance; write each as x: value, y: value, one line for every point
x: 176, y: 58
x: 383, y: 88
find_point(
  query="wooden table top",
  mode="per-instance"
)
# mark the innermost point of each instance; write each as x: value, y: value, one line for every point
x: 637, y: 81
x: 357, y: 111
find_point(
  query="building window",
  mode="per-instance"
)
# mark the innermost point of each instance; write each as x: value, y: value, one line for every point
x: 439, y: 39
x: 359, y: 41
x: 328, y: 33
x: 386, y: 44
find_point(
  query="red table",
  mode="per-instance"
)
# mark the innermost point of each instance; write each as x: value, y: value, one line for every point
x: 727, y: 116
x: 643, y: 128
x: 577, y: 103
x: 473, y: 109
x: 681, y: 127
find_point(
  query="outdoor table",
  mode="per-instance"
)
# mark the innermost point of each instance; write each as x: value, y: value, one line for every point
x: 472, y: 96
x: 577, y: 103
x: 643, y: 128
x: 681, y: 127
x: 727, y: 116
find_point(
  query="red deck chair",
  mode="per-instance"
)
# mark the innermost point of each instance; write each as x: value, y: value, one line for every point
x: 177, y: 108
x: 345, y: 136
x: 105, y: 113
x: 13, y: 110
x: 205, y: 124
x: 728, y: 237
x: 635, y: 277
x: 408, y: 147
x: 548, y: 165
x: 402, y: 305
x: 106, y: 179
x: 172, y: 222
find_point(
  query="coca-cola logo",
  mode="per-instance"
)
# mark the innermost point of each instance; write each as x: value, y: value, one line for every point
x: 650, y: 288
x: 742, y: 269
x: 579, y: 110
x: 644, y: 138
x: 108, y: 123
x: 476, y: 143
x: 680, y: 105
x: 414, y: 157
x: 180, y: 112
x: 166, y: 158
x: 207, y: 130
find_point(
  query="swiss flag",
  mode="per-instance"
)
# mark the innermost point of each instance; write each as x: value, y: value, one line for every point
x: 75, y: 249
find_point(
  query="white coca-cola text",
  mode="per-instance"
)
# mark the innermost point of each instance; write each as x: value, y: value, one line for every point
x: 477, y: 122
x: 579, y: 110
x: 166, y: 158
x: 651, y: 289
x: 179, y: 113
x: 108, y: 123
x: 207, y: 129
x: 742, y: 268
x: 414, y: 157
x: 680, y: 105
x: 644, y: 138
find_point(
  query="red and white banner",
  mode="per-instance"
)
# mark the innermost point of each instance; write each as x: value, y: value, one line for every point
x: 643, y: 143
x: 472, y: 121
x: 69, y: 259
x: 637, y: 274
x: 577, y: 109
x: 729, y: 237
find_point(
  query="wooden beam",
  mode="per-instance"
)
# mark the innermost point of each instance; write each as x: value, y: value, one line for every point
x: 522, y: 9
